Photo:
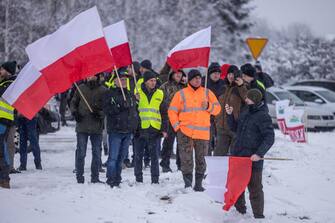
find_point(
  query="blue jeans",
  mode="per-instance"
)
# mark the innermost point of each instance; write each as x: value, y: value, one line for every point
x: 118, y: 150
x: 28, y: 131
x: 152, y: 145
x: 4, y: 155
x: 96, y: 140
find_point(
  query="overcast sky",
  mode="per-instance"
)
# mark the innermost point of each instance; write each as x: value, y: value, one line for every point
x: 319, y: 14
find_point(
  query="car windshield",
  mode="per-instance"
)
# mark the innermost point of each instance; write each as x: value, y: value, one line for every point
x: 285, y: 95
x: 328, y: 95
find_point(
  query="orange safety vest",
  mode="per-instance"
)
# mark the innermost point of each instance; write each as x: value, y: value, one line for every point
x: 185, y: 112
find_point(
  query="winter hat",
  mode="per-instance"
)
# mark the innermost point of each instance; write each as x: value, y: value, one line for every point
x: 146, y: 64
x: 258, y: 65
x: 232, y: 69
x: 214, y: 67
x: 254, y: 95
x: 148, y: 75
x: 248, y: 70
x: 192, y: 74
x: 10, y: 67
x: 224, y: 70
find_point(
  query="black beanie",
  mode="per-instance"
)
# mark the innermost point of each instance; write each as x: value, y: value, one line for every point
x: 248, y: 70
x: 10, y: 67
x: 148, y: 75
x: 214, y: 67
x: 255, y: 95
x: 146, y: 64
x: 232, y: 69
x: 192, y: 74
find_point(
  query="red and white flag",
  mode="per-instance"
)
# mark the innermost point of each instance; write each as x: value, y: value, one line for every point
x: 75, y: 51
x: 227, y: 177
x: 29, y: 92
x: 117, y: 40
x: 294, y: 120
x: 192, y: 51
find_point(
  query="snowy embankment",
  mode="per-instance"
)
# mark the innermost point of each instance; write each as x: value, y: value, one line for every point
x: 295, y: 191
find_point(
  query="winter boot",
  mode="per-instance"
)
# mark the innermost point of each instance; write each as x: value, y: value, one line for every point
x: 188, y: 179
x: 80, y: 179
x: 22, y: 168
x: 4, y: 184
x: 198, y: 182
x: 166, y: 169
x: 38, y: 166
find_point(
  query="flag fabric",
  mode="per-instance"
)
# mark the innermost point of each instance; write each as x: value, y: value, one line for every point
x: 117, y: 40
x: 75, y: 51
x: 29, y: 92
x: 192, y: 51
x: 227, y: 177
x: 295, y: 124
x: 281, y: 107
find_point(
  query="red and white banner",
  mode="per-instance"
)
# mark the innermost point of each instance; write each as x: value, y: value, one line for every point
x: 117, y: 40
x: 281, y: 108
x: 297, y: 134
x: 282, y: 126
x: 295, y: 124
x: 29, y: 92
x: 75, y: 51
x: 227, y: 177
x: 192, y: 51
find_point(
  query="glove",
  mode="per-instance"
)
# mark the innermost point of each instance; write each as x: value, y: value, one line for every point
x: 124, y: 105
x: 78, y: 117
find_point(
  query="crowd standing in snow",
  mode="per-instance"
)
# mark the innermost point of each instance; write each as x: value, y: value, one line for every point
x: 222, y: 114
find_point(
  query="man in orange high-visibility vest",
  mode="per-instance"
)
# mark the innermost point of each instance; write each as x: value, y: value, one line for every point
x: 189, y: 114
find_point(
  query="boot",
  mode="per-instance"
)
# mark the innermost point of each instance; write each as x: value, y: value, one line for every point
x: 188, y: 179
x: 198, y: 182
x: 4, y: 184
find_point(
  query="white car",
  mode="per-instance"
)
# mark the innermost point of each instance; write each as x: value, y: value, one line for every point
x: 318, y: 97
x: 318, y: 119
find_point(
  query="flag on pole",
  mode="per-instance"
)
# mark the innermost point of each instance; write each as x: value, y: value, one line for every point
x: 117, y: 40
x: 75, y: 51
x: 192, y: 51
x: 29, y: 92
x: 227, y: 177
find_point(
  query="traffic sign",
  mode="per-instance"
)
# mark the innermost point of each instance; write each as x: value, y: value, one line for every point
x: 256, y: 46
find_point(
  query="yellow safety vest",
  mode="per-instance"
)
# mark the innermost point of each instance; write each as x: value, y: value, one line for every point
x: 138, y: 84
x: 260, y: 83
x: 6, y: 110
x: 110, y: 83
x: 149, y: 111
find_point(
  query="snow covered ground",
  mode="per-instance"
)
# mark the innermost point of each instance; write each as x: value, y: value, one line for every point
x: 295, y: 191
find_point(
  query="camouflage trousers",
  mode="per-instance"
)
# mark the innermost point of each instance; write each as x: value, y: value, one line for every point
x: 186, y: 146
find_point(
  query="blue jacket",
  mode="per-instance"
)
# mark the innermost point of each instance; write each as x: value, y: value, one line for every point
x: 254, y: 133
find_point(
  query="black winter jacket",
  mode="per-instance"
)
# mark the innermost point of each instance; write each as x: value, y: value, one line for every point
x: 254, y: 133
x: 122, y: 117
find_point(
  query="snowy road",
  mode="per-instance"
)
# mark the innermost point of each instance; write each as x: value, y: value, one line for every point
x: 295, y: 191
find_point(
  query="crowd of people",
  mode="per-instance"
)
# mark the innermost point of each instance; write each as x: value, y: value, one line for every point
x: 221, y: 113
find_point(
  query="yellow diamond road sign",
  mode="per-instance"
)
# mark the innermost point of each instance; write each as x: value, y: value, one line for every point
x: 256, y: 46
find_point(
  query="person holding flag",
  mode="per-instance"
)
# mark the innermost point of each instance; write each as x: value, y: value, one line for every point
x: 254, y: 137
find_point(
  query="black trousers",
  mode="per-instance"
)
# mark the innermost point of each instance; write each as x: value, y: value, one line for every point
x: 256, y: 195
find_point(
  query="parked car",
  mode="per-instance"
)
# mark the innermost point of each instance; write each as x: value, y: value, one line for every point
x: 317, y: 119
x: 315, y: 96
x: 330, y: 85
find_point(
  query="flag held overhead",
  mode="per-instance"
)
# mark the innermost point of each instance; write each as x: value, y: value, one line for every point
x: 256, y: 46
x: 75, y: 51
x: 192, y: 51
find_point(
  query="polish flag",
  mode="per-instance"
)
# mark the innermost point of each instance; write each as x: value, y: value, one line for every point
x: 29, y: 92
x: 117, y: 40
x: 192, y: 51
x: 75, y: 51
x: 227, y: 177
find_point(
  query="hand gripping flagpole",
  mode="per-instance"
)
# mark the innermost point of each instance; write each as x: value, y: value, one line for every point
x: 118, y: 77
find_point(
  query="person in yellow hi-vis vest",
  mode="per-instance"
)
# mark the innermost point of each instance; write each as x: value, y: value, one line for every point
x: 153, y: 125
x: 6, y: 120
